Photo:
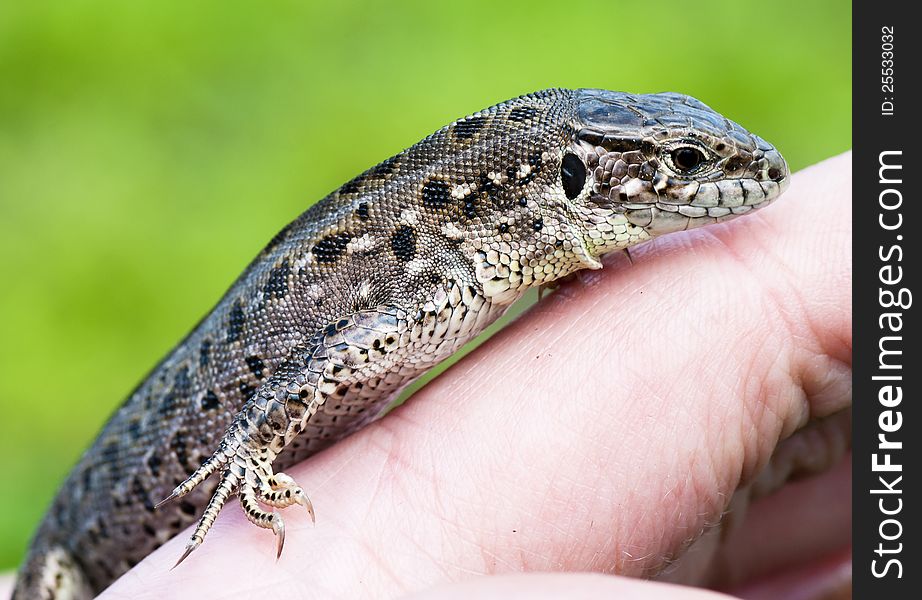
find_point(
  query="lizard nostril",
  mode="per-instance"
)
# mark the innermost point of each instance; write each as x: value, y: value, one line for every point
x: 775, y: 174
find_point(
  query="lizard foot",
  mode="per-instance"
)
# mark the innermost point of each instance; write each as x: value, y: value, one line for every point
x: 278, y: 411
x: 249, y: 474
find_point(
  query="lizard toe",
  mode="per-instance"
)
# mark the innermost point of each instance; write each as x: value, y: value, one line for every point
x: 282, y: 491
x: 249, y: 494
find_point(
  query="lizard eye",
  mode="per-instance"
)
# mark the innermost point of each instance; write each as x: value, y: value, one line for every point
x: 686, y: 160
x: 572, y: 175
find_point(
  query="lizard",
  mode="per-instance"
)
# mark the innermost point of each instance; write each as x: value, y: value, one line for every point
x: 368, y: 289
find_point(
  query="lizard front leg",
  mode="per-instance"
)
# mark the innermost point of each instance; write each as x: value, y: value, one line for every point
x: 362, y: 347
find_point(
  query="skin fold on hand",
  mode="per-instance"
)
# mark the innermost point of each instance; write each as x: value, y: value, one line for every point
x: 683, y: 414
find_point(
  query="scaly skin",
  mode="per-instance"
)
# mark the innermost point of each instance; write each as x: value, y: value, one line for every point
x: 372, y: 286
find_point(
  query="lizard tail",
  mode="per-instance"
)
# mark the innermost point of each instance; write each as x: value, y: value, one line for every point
x: 51, y: 574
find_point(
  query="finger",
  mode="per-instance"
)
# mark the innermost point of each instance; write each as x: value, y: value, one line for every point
x: 829, y: 578
x: 803, y: 521
x: 574, y: 586
x: 775, y: 525
x: 603, y: 431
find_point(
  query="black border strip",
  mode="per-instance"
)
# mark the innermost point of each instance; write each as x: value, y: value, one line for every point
x: 887, y: 369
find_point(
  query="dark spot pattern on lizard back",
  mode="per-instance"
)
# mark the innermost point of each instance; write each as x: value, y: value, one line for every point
x: 470, y: 206
x: 138, y: 489
x: 180, y: 450
x: 488, y: 186
x: 436, y: 193
x: 210, y: 400
x: 403, y: 243
x: 277, y: 285
x: 153, y: 463
x: 352, y: 187
x: 382, y: 170
x: 182, y: 383
x: 235, y: 322
x: 330, y: 248
x: 466, y: 129
x: 523, y: 113
x: 86, y: 477
x: 362, y: 211
x: 256, y: 366
x: 178, y: 392
x: 246, y: 390
x: 204, y: 353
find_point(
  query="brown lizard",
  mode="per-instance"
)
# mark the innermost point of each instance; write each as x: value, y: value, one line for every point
x: 369, y: 288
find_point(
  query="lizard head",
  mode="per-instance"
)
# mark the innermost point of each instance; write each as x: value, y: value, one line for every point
x: 662, y: 163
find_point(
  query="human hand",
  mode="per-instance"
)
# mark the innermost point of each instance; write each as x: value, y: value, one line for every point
x: 609, y: 429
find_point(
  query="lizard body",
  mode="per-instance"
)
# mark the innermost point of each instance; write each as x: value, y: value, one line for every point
x: 372, y: 286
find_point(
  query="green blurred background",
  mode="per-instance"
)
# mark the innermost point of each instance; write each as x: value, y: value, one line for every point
x: 149, y: 149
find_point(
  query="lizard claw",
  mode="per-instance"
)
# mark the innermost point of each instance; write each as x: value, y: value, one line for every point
x: 302, y: 499
x: 278, y: 528
x: 192, y: 545
x: 172, y: 496
x: 299, y: 497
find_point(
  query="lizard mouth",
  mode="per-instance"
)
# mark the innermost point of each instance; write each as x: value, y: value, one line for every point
x: 710, y: 200
x: 716, y: 198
